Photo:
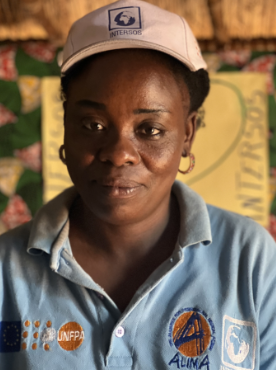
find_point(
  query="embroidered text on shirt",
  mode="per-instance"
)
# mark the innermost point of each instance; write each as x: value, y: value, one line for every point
x: 70, y: 336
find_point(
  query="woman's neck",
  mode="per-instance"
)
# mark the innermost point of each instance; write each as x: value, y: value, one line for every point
x: 121, y: 258
x: 135, y: 238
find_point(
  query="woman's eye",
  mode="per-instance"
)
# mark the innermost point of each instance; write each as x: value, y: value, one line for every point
x: 92, y: 125
x: 151, y: 131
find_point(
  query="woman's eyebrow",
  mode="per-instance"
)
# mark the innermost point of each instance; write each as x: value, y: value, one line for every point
x: 160, y: 110
x: 91, y: 104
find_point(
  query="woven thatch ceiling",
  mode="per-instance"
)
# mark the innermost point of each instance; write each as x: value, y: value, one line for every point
x: 209, y: 19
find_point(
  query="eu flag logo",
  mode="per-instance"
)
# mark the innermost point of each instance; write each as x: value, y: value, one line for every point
x: 10, y: 336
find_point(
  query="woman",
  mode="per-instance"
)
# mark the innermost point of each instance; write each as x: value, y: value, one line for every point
x: 129, y: 269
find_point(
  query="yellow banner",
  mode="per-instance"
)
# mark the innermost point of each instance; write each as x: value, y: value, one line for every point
x: 55, y: 174
x: 230, y: 148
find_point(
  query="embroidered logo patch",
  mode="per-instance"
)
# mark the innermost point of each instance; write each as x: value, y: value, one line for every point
x: 39, y: 335
x: 191, y: 332
x: 238, y: 344
x: 48, y: 335
x: 10, y: 336
x: 70, y: 336
x: 32, y: 333
x: 127, y: 17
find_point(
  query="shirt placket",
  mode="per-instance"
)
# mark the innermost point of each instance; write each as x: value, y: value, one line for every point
x: 122, y: 340
x: 123, y: 337
x: 119, y: 329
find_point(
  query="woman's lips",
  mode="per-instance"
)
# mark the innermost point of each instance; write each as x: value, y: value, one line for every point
x: 118, y: 188
x: 118, y: 192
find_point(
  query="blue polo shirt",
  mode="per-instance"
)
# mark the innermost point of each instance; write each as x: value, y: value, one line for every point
x: 210, y: 306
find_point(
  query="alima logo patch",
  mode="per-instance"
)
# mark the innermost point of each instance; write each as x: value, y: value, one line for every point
x: 238, y: 344
x: 191, y: 332
x: 125, y: 18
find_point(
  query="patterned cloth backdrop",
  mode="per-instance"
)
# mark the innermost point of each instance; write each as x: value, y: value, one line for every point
x: 21, y: 68
x: 259, y: 62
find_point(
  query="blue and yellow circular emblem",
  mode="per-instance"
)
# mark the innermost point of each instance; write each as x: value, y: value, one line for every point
x: 191, y: 332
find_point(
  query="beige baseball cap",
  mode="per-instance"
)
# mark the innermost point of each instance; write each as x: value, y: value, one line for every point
x: 132, y: 24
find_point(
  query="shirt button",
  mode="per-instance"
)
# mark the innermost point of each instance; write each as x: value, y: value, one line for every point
x: 120, y: 331
x: 100, y: 296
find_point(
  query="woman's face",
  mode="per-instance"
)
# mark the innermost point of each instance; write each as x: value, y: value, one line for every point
x: 127, y: 124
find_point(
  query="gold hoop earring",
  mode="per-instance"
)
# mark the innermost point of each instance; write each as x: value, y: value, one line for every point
x: 191, y: 167
x: 62, y: 154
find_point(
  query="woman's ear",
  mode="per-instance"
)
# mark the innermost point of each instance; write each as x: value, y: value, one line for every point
x: 190, y: 131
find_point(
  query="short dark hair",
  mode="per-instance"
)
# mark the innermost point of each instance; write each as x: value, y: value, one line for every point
x: 198, y: 82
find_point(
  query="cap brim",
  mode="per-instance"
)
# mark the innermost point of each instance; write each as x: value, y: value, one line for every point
x: 120, y: 44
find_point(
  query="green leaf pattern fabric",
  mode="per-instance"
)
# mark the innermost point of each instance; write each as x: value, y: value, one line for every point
x: 21, y: 68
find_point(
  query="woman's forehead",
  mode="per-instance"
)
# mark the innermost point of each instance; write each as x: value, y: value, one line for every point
x: 129, y: 66
x: 122, y: 57
x: 139, y: 76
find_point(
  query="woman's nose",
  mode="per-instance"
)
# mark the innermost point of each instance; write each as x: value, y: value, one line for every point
x: 119, y: 150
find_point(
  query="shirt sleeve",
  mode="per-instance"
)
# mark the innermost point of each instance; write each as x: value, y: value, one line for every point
x: 264, y: 278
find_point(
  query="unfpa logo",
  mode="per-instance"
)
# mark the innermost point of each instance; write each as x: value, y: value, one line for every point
x: 125, y: 18
x: 70, y: 336
x: 13, y: 339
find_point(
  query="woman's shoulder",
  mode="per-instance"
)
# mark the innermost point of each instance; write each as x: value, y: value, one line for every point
x: 42, y: 229
x: 15, y: 240
x: 235, y: 230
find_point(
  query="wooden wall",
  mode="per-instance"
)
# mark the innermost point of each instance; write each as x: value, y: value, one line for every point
x: 221, y: 21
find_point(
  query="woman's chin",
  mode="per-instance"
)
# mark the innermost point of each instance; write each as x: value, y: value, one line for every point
x: 119, y: 215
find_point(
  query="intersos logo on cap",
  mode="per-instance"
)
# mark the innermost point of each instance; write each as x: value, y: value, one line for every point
x: 125, y: 18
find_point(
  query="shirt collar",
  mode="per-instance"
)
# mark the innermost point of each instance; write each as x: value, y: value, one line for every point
x: 50, y: 221
x: 49, y: 225
x: 195, y: 221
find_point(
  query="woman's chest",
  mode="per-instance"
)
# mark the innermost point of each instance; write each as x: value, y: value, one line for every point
x: 176, y: 323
